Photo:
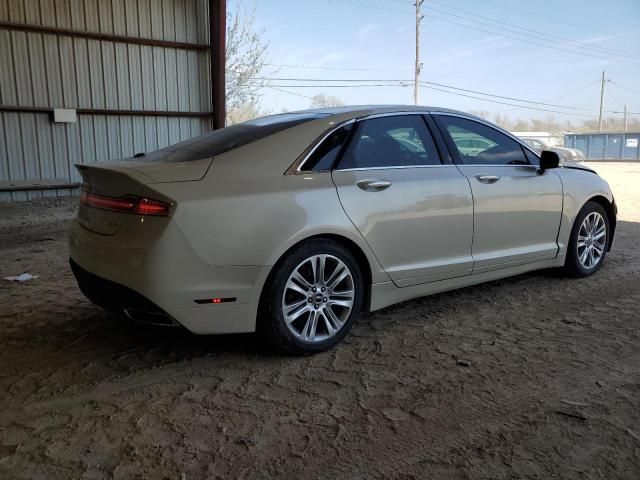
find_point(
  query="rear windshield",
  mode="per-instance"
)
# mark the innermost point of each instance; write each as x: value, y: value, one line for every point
x: 226, y: 139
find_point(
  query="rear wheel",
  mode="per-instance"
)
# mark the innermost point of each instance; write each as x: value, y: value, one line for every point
x: 589, y: 241
x: 312, y: 299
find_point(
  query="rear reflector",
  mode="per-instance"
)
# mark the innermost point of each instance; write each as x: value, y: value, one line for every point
x: 215, y: 300
x: 126, y: 204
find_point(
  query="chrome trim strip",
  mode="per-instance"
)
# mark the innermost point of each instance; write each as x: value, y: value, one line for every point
x: 393, y: 114
x: 398, y: 167
x: 296, y: 167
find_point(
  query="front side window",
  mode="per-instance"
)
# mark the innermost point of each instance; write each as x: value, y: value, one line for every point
x: 398, y: 141
x: 479, y: 144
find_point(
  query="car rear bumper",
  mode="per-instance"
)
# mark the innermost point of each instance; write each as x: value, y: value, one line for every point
x: 158, y: 278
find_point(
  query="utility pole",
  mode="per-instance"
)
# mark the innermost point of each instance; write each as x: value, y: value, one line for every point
x: 418, y: 66
x: 626, y: 119
x: 601, y: 103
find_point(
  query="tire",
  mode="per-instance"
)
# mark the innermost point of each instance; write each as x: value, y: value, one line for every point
x: 286, y: 297
x: 575, y: 264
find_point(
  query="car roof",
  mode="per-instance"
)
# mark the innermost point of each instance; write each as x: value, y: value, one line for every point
x: 365, y: 110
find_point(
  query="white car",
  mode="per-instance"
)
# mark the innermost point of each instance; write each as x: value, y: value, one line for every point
x: 293, y: 224
x: 566, y: 154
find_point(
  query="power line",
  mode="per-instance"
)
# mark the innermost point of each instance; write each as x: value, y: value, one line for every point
x: 354, y: 69
x: 423, y: 83
x: 290, y: 93
x: 536, y: 32
x: 624, y: 88
x: 491, y: 32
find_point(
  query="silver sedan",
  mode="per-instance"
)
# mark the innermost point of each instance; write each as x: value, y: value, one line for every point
x: 294, y: 224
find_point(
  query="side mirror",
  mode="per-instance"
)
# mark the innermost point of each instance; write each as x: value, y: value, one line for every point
x: 548, y: 159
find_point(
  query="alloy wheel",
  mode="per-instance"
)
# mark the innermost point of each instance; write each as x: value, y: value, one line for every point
x: 318, y: 298
x: 592, y: 240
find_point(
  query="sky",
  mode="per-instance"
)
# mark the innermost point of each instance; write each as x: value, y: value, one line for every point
x: 469, y: 44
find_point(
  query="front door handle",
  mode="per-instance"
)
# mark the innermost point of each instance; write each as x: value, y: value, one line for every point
x: 374, y: 185
x: 488, y: 178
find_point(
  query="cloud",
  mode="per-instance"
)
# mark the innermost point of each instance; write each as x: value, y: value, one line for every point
x: 364, y: 32
x: 604, y: 38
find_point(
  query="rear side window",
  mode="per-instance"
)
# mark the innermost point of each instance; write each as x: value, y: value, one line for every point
x: 228, y: 138
x: 325, y: 155
x: 479, y: 144
x: 398, y: 141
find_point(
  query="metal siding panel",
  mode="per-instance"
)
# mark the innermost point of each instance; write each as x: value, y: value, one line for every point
x: 126, y: 136
x: 119, y: 23
x: 183, y: 81
x: 151, y: 133
x: 144, y: 18
x: 135, y: 76
x: 105, y: 16
x: 77, y: 14
x: 174, y: 130
x: 122, y: 76
x: 32, y: 12
x: 168, y: 15
x: 81, y: 54
x: 172, y: 78
x: 38, y: 74
x: 44, y: 146
x: 114, y: 141
x: 63, y: 13
x: 87, y: 153
x: 48, y: 15
x: 191, y: 14
x: 8, y: 92
x: 92, y: 16
x: 180, y: 20
x: 139, y: 142
x: 53, y: 70
x: 15, y: 155
x: 100, y: 136
x: 68, y: 72
x: 28, y: 137
x: 74, y: 152
x: 148, y: 91
x: 194, y: 82
x: 4, y: 160
x: 96, y: 74
x: 205, y: 83
x: 16, y: 10
x: 4, y: 10
x: 60, y: 149
x: 185, y: 129
x: 156, y: 19
x: 110, y: 81
x: 160, y: 77
x: 163, y: 132
x: 202, y: 21
x: 22, y: 68
x: 131, y: 14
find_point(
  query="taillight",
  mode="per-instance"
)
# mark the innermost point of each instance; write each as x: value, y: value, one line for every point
x: 126, y: 204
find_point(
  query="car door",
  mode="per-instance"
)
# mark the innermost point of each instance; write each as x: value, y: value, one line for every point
x: 415, y: 212
x: 517, y: 207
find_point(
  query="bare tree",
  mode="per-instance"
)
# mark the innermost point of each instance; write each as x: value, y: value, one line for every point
x: 245, y: 63
x: 321, y: 100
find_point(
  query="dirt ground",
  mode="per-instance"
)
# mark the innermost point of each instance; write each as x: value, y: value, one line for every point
x: 551, y: 388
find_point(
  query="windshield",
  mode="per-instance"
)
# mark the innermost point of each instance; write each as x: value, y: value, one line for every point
x: 228, y: 138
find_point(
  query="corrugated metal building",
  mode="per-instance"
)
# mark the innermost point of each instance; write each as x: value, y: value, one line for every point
x: 606, y: 146
x: 139, y: 75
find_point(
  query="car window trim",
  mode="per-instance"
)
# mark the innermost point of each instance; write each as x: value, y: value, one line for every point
x: 454, y: 150
x: 297, y: 166
x: 360, y: 120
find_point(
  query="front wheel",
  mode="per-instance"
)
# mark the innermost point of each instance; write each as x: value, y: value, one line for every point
x: 312, y: 298
x: 589, y: 241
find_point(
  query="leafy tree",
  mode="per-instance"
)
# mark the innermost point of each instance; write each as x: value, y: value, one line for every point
x: 322, y: 101
x: 246, y: 57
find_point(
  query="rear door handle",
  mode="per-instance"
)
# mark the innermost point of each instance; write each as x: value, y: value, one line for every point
x: 374, y: 185
x: 488, y: 178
